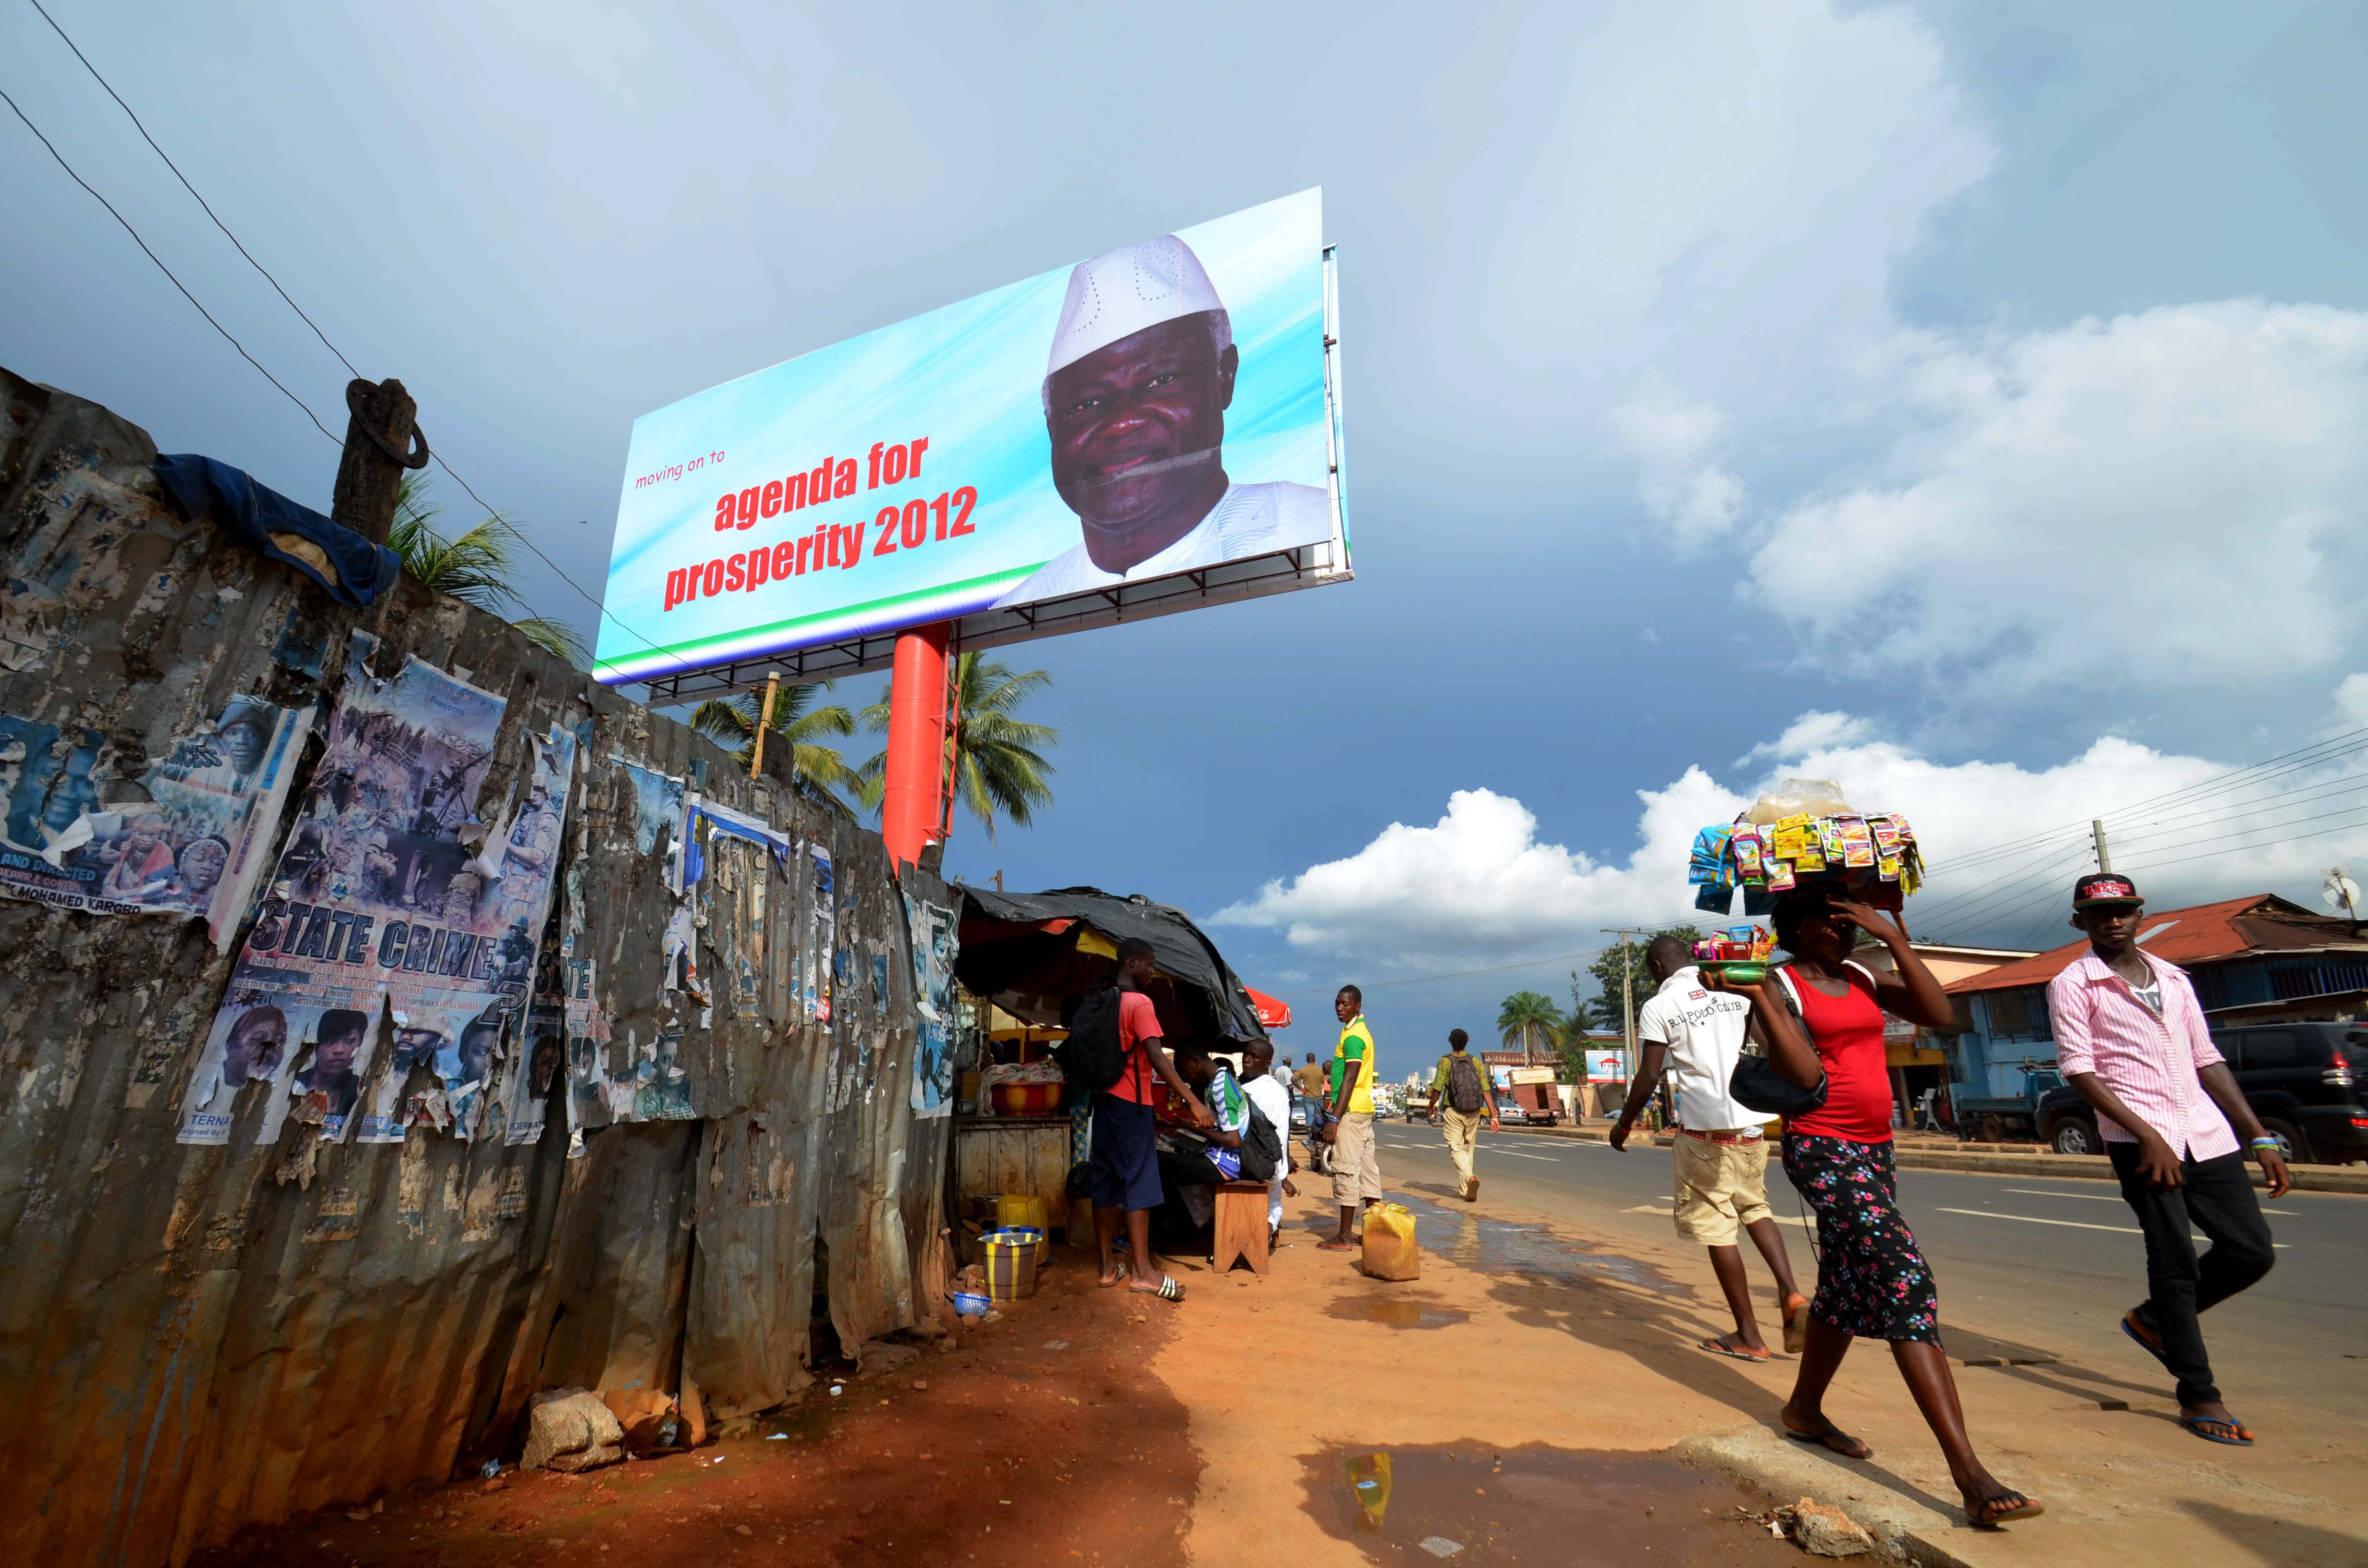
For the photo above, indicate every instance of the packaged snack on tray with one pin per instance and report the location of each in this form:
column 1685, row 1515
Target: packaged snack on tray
column 1745, row 848
column 1887, row 866
column 1887, row 836
column 1780, row 876
column 1857, row 841
column 1707, row 866
column 1787, row 838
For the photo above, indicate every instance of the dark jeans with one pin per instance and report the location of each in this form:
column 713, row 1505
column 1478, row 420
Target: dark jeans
column 2215, row 1196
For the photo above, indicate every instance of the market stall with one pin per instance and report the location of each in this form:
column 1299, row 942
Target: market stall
column 1029, row 957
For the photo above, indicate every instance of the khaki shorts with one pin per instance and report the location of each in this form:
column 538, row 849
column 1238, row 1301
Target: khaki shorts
column 1356, row 1168
column 1721, row 1188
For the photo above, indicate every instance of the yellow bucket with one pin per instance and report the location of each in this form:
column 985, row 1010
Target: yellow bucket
column 1390, row 1250
column 1011, row 1262
column 1015, row 1209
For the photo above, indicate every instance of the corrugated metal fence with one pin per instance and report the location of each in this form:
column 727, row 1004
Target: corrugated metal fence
column 195, row 1338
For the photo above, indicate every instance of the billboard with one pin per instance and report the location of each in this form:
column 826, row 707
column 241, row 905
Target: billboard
column 1148, row 429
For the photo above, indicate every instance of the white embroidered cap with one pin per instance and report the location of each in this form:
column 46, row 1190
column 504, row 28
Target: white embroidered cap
column 1120, row 293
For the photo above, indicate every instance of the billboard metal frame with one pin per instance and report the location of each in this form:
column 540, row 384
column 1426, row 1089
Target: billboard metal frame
column 1307, row 566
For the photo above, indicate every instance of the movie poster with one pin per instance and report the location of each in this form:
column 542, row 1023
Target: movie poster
column 194, row 845
column 390, row 889
column 935, row 944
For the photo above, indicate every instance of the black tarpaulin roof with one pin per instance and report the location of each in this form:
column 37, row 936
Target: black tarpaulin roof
column 1006, row 947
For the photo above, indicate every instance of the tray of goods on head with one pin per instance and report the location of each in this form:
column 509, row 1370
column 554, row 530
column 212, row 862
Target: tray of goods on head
column 1804, row 836
column 1738, row 952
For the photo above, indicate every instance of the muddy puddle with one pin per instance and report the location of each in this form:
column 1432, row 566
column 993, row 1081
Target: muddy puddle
column 1469, row 1504
column 1396, row 1311
column 1476, row 1241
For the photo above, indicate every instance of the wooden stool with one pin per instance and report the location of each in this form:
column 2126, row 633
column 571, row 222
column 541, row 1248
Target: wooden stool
column 1241, row 1230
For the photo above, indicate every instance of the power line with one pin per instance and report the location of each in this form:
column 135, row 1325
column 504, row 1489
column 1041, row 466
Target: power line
column 1455, row 974
column 202, row 202
column 519, row 534
column 167, row 271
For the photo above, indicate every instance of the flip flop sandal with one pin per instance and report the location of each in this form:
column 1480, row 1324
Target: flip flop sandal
column 1732, row 1352
column 2237, row 1436
column 1986, row 1514
column 1167, row 1291
column 1796, row 1327
column 2142, row 1336
column 1828, row 1438
column 1115, row 1278
column 1336, row 1246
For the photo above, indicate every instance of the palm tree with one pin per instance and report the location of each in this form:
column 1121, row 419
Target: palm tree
column 1529, row 1019
column 1000, row 766
column 818, row 772
column 475, row 567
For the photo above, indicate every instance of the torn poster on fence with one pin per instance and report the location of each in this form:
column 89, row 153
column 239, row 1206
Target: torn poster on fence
column 935, row 942
column 194, row 845
column 388, row 890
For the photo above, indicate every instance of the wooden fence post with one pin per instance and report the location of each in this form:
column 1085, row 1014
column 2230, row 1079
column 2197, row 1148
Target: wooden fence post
column 383, row 439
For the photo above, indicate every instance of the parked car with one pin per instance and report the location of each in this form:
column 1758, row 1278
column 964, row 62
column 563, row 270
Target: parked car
column 1992, row 1119
column 2304, row 1081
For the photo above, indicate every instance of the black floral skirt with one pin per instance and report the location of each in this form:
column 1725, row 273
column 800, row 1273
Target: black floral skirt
column 1872, row 1280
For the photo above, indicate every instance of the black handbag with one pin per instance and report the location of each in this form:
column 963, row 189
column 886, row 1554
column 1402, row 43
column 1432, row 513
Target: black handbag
column 1756, row 1084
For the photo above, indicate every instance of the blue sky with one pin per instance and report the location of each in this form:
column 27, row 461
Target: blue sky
column 1967, row 403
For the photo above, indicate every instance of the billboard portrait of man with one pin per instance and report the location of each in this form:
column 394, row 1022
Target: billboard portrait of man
column 1141, row 369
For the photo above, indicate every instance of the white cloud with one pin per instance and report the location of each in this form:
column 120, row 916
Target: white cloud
column 2164, row 502
column 1481, row 885
column 2352, row 701
column 1671, row 440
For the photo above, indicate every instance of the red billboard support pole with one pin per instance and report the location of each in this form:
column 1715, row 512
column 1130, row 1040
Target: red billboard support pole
column 909, row 807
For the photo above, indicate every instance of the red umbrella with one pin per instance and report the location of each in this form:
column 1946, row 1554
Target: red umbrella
column 1272, row 1014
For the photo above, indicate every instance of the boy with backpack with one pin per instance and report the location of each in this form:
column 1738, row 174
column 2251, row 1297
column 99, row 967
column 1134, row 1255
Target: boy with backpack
column 1271, row 1096
column 1114, row 1050
column 1464, row 1083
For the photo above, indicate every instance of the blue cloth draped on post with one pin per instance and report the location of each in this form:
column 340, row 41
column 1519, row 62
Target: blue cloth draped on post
column 351, row 570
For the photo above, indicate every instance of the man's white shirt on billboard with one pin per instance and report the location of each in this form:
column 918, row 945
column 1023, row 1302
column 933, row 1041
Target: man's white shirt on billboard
column 1250, row 519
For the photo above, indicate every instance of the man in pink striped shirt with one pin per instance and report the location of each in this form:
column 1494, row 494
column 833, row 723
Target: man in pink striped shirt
column 2130, row 1036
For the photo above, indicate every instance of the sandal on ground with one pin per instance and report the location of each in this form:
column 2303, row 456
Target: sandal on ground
column 1166, row 1290
column 1830, row 1437
column 1796, row 1326
column 1719, row 1346
column 1335, row 1245
column 2219, row 1429
column 1998, row 1508
column 2142, row 1336
column 1117, row 1274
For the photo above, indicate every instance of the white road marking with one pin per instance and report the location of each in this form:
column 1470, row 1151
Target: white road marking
column 1518, row 1154
column 2090, row 1197
column 2073, row 1225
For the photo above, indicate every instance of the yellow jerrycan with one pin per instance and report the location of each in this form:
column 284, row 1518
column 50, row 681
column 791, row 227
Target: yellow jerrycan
column 1390, row 1250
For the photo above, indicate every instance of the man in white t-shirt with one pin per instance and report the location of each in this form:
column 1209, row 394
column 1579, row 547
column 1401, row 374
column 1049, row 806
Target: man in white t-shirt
column 1722, row 1153
column 1141, row 372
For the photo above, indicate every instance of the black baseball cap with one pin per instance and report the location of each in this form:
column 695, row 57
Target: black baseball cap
column 2101, row 888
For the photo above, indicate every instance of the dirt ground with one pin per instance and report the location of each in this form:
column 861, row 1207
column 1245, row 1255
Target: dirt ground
column 1002, row 1450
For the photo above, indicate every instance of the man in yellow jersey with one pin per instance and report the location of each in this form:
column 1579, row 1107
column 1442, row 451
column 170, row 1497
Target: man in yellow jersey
column 1356, row 1170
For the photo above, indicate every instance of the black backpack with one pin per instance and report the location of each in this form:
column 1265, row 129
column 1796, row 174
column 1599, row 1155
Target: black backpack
column 1091, row 1058
column 1262, row 1147
column 1465, row 1093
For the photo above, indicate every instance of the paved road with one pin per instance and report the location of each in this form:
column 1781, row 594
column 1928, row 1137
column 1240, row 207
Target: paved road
column 2019, row 1260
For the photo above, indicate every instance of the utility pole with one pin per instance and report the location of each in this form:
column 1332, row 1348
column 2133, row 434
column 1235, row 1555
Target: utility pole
column 764, row 723
column 383, row 439
column 1628, row 992
column 2096, row 830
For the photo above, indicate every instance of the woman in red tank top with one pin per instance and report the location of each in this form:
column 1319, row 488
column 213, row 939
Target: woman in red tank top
column 1822, row 1015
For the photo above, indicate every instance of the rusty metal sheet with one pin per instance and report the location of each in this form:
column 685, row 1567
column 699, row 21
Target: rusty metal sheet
column 192, row 1338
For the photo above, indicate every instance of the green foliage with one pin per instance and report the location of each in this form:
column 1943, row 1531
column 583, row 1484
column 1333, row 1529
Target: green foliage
column 1601, row 1011
column 999, row 763
column 818, row 772
column 1530, row 1022
column 475, row 567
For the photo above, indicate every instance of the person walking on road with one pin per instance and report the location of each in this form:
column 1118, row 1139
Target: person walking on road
column 2131, row 1036
column 1463, row 1083
column 1721, row 1152
column 1310, row 1079
column 1821, row 1016
column 1356, row 1167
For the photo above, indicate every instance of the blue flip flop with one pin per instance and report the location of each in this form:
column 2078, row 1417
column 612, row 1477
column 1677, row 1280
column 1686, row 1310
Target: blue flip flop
column 2197, row 1424
column 2130, row 1327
